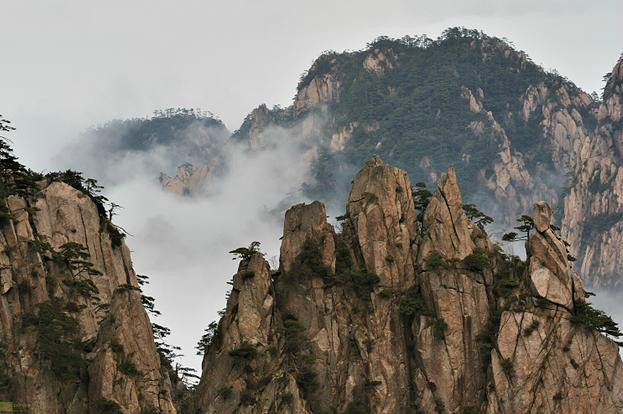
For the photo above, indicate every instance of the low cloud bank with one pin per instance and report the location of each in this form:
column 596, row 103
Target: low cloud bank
column 182, row 243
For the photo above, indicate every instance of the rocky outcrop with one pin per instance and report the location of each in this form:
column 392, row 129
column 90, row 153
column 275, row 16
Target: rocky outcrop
column 447, row 226
column 190, row 179
column 401, row 312
column 379, row 60
column 74, row 335
column 322, row 89
column 545, row 360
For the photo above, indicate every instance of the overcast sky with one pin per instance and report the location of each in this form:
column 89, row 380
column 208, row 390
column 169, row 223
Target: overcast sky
column 70, row 64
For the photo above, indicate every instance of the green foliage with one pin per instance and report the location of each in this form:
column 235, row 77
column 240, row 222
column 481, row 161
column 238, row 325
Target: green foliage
column 321, row 66
column 386, row 293
column 477, row 261
column 420, row 111
column 58, row 339
column 105, row 406
column 76, row 257
column 357, row 407
column 116, row 235
column 439, row 328
column 245, row 253
column 534, row 325
column 295, row 337
column 15, row 179
column 370, row 197
column 440, row 406
column 411, row 305
column 585, row 315
column 209, row 334
column 87, row 186
column 166, row 351
column 83, row 287
column 507, row 367
column 149, row 303
column 476, row 215
column 244, row 353
column 306, row 378
column 421, row 198
column 5, row 375
column 343, row 260
column 115, row 346
column 525, row 226
column 247, row 398
column 361, row 282
column 297, row 347
column 286, row 398
column 225, row 392
column 127, row 367
column 597, row 186
column 248, row 274
column 308, row 262
column 124, row 288
column 488, row 336
column 435, row 261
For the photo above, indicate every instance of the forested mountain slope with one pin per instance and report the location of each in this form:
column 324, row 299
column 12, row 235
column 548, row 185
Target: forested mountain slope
column 514, row 132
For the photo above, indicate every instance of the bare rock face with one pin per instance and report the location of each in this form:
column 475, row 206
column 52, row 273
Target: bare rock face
column 447, row 225
column 302, row 223
column 382, row 213
column 550, row 272
column 592, row 219
column 393, row 314
column 190, row 179
column 74, row 334
column 322, row 89
column 546, row 362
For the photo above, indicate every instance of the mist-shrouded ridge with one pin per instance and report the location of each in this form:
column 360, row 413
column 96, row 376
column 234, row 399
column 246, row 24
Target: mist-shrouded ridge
column 182, row 243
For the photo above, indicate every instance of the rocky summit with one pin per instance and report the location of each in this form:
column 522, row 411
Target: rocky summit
column 74, row 333
column 409, row 308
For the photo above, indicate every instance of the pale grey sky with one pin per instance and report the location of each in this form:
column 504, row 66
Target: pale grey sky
column 70, row 64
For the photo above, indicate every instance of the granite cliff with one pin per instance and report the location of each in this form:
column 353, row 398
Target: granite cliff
column 409, row 308
column 74, row 333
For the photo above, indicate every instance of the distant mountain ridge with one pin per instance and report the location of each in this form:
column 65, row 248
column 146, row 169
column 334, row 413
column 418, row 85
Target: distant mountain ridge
column 515, row 133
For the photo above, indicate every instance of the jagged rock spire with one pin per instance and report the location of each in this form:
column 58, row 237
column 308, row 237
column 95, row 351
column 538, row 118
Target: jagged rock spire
column 382, row 212
column 303, row 222
column 550, row 274
column 447, row 227
column 468, row 332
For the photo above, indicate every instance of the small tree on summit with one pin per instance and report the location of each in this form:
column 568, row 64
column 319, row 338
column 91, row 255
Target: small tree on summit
column 245, row 253
column 526, row 224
